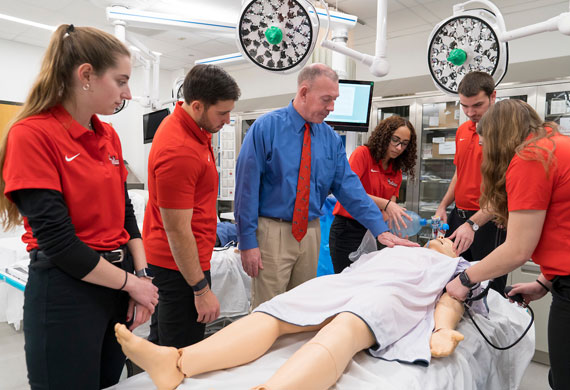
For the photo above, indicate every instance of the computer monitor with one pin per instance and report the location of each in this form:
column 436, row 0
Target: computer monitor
column 352, row 107
column 151, row 121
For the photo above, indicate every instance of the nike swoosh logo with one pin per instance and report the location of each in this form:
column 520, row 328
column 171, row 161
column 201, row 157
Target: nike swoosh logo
column 462, row 139
column 68, row 159
column 373, row 170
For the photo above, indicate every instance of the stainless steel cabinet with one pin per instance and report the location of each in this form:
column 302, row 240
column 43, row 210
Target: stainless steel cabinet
column 553, row 104
column 440, row 118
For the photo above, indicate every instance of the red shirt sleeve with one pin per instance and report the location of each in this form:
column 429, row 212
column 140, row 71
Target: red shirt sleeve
column 176, row 178
column 31, row 161
column 521, row 195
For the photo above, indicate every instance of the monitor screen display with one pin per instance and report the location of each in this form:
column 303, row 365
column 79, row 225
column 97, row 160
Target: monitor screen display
column 352, row 107
column 151, row 121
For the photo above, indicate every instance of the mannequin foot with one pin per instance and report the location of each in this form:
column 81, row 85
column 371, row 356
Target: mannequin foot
column 159, row 362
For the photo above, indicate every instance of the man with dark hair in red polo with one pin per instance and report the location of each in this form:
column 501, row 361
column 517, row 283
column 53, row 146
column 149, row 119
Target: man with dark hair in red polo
column 469, row 227
column 180, row 221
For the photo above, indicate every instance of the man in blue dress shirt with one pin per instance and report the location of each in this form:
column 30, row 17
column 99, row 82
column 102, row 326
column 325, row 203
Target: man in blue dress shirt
column 267, row 175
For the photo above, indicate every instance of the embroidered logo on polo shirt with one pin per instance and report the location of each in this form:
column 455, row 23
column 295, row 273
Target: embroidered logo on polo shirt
column 113, row 160
column 69, row 159
column 374, row 170
column 392, row 183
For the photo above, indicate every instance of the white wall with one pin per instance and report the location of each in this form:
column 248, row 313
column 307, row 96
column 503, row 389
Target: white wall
column 18, row 68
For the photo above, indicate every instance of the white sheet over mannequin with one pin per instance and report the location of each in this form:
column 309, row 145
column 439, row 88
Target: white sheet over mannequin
column 317, row 365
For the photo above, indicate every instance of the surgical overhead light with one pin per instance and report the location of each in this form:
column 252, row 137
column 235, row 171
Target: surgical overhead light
column 466, row 43
column 476, row 40
column 278, row 35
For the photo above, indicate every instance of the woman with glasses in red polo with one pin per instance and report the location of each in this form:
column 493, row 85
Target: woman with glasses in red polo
column 391, row 150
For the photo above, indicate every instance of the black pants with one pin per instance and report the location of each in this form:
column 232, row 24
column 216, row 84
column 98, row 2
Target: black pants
column 344, row 238
column 558, row 335
column 173, row 323
column 69, row 329
column 486, row 239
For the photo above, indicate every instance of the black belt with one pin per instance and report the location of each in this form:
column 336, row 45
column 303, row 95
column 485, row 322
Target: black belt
column 465, row 214
column 114, row 256
column 275, row 219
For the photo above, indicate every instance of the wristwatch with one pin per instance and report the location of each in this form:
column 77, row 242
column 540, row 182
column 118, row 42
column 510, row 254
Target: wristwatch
column 200, row 285
column 145, row 273
column 464, row 279
column 474, row 226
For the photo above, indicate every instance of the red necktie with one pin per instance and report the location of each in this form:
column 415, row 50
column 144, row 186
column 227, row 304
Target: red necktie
column 301, row 211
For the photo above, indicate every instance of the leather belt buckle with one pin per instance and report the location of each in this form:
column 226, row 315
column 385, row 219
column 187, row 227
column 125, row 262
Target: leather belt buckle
column 120, row 252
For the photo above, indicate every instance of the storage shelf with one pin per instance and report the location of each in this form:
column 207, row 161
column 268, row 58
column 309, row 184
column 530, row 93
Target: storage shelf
column 440, row 128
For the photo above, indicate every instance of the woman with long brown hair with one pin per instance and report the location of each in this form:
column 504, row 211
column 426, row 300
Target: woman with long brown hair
column 63, row 172
column 390, row 150
column 526, row 184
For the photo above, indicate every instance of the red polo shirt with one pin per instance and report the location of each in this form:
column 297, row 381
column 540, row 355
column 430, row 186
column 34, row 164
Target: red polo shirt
column 530, row 188
column 468, row 157
column 375, row 180
column 52, row 151
column 181, row 175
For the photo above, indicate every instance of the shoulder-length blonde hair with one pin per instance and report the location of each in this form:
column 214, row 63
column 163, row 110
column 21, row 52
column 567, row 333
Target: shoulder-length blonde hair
column 510, row 127
column 69, row 47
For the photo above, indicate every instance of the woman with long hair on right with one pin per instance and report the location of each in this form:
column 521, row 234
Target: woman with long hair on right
column 63, row 172
column 526, row 184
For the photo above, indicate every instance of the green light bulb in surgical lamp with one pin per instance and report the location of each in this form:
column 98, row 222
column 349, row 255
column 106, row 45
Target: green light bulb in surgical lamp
column 274, row 35
column 457, row 57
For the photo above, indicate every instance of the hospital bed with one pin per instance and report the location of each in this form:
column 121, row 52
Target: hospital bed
column 474, row 364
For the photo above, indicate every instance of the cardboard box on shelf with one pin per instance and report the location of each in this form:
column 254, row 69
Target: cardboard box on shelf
column 449, row 115
column 445, row 149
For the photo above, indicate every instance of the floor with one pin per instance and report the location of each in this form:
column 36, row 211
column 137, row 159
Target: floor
column 13, row 365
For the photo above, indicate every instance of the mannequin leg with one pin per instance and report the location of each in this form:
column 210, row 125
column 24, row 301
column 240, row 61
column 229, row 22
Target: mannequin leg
column 241, row 342
column 322, row 360
column 238, row 343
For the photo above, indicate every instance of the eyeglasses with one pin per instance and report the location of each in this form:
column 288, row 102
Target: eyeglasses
column 396, row 141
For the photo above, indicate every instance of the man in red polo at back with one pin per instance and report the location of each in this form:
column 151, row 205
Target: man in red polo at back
column 474, row 237
column 179, row 229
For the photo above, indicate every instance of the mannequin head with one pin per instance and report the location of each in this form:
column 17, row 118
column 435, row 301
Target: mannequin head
column 442, row 245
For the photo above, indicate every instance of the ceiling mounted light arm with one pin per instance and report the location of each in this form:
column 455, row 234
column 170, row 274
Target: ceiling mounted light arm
column 460, row 8
column 378, row 65
column 559, row 23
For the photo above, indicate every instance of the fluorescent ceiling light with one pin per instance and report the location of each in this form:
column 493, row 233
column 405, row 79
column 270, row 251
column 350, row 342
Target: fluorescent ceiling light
column 27, row 22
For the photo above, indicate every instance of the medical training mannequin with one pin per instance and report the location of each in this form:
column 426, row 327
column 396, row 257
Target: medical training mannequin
column 317, row 365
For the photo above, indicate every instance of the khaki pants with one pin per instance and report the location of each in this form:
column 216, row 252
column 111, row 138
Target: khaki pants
column 286, row 262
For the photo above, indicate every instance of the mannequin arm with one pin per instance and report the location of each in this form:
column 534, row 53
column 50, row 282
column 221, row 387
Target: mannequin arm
column 444, row 339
